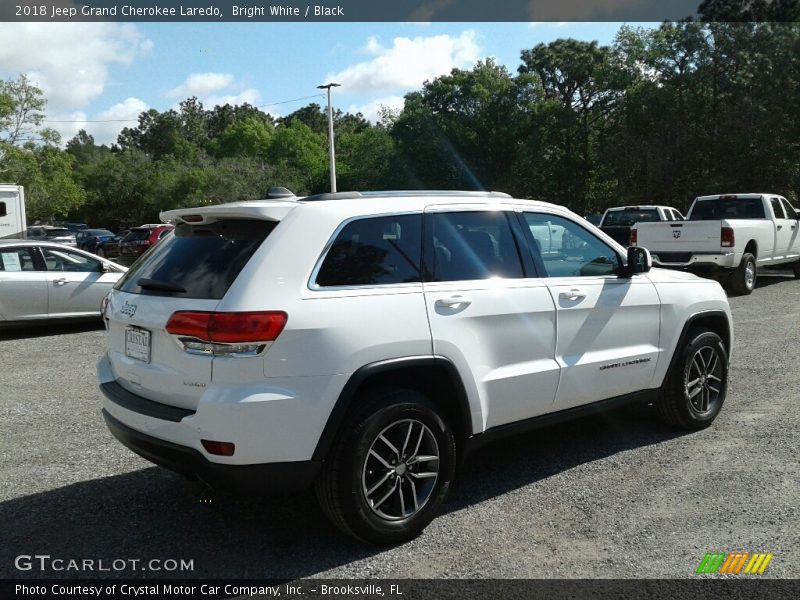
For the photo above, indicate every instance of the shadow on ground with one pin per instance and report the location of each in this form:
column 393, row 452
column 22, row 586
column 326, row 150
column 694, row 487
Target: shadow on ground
column 152, row 513
column 47, row 328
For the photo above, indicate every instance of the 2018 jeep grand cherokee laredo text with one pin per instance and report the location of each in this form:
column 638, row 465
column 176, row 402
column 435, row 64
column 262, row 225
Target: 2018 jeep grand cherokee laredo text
column 365, row 343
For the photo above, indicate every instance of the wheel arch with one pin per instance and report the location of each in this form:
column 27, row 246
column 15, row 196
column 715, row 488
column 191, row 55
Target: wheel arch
column 434, row 376
column 752, row 248
column 713, row 320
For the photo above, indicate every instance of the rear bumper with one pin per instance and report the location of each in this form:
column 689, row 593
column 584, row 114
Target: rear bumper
column 269, row 477
column 699, row 260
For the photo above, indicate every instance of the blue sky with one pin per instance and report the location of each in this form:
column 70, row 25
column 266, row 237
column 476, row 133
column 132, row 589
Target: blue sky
column 100, row 76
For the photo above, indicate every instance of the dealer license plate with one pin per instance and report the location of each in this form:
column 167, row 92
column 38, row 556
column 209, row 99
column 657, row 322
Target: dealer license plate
column 137, row 344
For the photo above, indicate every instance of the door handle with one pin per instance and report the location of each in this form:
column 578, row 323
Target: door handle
column 572, row 295
column 453, row 302
column 794, row 226
column 779, row 227
column 61, row 281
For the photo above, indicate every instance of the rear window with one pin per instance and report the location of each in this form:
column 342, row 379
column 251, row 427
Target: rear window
column 137, row 234
column 729, row 208
column 98, row 232
column 58, row 232
column 626, row 218
column 199, row 261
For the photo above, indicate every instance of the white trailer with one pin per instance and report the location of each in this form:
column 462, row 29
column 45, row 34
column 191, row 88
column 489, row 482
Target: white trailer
column 12, row 211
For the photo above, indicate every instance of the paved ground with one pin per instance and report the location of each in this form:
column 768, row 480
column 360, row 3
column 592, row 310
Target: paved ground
column 612, row 496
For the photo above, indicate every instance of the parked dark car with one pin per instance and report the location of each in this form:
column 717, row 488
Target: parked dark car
column 110, row 248
column 76, row 227
column 88, row 239
column 139, row 240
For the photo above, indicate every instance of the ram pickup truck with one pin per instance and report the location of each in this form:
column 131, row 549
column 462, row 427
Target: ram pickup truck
column 727, row 236
column 618, row 220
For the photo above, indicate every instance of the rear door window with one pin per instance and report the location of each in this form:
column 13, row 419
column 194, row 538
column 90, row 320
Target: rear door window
column 199, row 261
column 374, row 251
column 17, row 259
column 473, row 245
column 791, row 213
column 777, row 209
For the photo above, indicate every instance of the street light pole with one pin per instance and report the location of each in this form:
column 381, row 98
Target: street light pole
column 330, row 133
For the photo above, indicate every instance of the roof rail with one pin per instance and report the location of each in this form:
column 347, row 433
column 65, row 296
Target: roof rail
column 332, row 196
column 401, row 193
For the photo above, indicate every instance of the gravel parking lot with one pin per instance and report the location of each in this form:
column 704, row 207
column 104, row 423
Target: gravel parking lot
column 616, row 495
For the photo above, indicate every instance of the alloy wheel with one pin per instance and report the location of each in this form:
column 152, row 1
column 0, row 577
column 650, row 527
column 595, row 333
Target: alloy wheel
column 400, row 470
column 704, row 380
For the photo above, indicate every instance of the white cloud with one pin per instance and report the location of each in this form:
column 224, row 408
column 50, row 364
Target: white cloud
column 407, row 63
column 370, row 110
column 104, row 126
column 250, row 96
column 214, row 89
column 202, row 85
column 69, row 61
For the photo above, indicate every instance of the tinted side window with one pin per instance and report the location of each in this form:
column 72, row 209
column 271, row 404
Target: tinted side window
column 473, row 245
column 791, row 213
column 3, row 209
column 374, row 251
column 777, row 209
column 567, row 249
column 16, row 259
column 64, row 260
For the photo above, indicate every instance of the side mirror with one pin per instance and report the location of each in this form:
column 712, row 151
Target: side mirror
column 639, row 261
column 105, row 267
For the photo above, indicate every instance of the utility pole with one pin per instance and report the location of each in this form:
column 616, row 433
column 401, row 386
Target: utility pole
column 332, row 153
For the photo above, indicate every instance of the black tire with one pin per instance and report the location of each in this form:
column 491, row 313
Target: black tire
column 743, row 281
column 351, row 471
column 680, row 404
column 796, row 269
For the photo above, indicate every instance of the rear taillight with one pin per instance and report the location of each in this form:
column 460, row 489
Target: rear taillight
column 634, row 237
column 726, row 237
column 227, row 333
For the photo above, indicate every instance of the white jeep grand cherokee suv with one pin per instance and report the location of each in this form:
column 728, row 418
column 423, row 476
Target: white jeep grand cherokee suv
column 365, row 343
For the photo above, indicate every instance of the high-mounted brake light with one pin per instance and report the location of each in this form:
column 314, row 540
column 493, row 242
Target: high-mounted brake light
column 727, row 239
column 728, row 197
column 192, row 218
column 228, row 327
column 634, row 236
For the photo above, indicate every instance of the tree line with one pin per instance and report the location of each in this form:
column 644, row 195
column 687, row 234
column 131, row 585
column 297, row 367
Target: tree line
column 659, row 116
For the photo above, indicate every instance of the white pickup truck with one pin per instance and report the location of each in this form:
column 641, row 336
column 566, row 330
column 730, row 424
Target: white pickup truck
column 729, row 235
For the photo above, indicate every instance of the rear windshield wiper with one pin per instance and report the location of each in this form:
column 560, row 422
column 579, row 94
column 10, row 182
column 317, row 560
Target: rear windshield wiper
column 155, row 284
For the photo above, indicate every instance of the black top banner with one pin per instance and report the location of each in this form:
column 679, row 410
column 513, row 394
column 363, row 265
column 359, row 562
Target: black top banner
column 398, row 10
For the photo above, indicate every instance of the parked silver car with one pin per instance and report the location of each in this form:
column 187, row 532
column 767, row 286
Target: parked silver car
column 43, row 280
column 59, row 235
